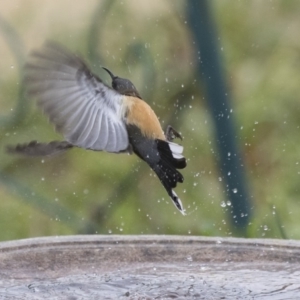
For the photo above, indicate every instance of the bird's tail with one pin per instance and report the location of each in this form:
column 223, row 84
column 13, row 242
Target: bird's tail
column 171, row 159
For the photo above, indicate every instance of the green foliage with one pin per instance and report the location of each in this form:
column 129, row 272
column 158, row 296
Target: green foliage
column 89, row 192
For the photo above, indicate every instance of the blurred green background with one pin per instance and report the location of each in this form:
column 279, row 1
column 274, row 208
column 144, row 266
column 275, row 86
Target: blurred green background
column 151, row 44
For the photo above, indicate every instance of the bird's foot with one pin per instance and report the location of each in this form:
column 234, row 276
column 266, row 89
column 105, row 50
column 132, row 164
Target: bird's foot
column 171, row 134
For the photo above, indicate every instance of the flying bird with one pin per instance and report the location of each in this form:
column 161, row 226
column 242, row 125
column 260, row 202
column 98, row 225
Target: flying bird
column 94, row 116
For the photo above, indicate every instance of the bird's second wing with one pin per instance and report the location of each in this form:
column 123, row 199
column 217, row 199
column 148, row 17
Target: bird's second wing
column 86, row 111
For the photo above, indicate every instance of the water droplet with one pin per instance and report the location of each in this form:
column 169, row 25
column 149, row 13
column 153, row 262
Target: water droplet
column 235, row 191
column 189, row 258
column 223, row 204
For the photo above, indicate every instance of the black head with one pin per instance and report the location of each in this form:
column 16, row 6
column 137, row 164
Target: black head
column 122, row 85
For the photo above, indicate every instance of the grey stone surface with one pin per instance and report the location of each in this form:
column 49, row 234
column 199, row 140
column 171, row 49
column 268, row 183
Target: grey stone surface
column 149, row 267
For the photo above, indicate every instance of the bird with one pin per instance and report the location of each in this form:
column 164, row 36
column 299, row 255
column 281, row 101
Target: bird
column 92, row 115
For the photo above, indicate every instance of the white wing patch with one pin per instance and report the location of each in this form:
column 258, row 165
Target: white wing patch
column 176, row 150
column 78, row 103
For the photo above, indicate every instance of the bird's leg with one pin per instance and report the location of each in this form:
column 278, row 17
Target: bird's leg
column 128, row 150
column 171, row 134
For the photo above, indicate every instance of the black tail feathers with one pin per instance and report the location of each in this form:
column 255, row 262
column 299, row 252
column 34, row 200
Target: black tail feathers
column 171, row 153
column 167, row 174
column 169, row 177
column 170, row 160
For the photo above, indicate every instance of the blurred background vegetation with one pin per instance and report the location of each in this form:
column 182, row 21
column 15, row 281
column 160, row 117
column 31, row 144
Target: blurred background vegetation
column 151, row 43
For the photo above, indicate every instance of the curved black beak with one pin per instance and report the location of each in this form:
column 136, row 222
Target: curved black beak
column 110, row 73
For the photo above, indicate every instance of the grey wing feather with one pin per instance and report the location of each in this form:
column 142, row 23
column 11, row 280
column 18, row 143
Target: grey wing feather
column 85, row 110
column 35, row 148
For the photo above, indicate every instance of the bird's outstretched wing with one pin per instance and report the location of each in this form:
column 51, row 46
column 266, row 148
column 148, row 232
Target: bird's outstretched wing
column 35, row 148
column 86, row 111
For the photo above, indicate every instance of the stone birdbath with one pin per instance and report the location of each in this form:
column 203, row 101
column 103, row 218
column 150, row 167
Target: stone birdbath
column 149, row 267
